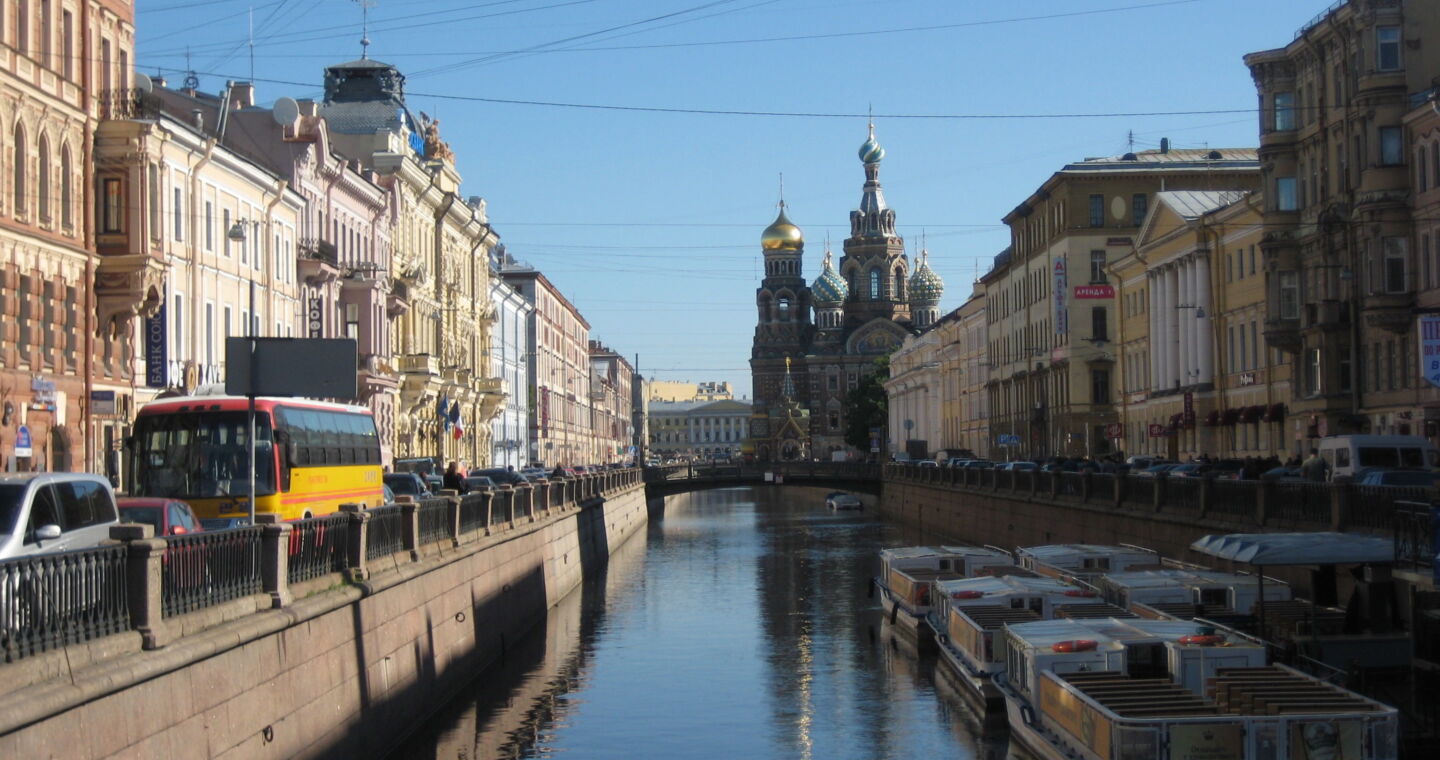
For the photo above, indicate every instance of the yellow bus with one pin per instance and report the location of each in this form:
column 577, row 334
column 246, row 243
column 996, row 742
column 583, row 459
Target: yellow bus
column 310, row 456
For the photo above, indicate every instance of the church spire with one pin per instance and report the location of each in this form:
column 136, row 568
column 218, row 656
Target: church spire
column 873, row 218
column 787, row 391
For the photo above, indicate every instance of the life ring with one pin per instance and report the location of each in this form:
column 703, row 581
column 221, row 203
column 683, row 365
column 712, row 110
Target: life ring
column 1080, row 592
column 969, row 594
column 1204, row 640
column 1074, row 645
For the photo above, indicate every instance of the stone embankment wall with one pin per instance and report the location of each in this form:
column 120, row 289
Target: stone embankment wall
column 341, row 672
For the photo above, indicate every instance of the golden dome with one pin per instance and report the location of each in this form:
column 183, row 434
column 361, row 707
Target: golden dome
column 782, row 235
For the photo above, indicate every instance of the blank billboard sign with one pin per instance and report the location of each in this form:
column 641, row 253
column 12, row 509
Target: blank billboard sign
column 311, row 367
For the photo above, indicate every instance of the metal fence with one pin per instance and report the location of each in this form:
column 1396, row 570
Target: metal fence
column 1373, row 507
column 385, row 534
column 319, row 546
column 1070, row 485
column 205, row 569
column 473, row 509
column 1183, row 493
column 1233, row 498
column 1300, row 501
column 1102, row 487
column 54, row 600
column 435, row 520
column 1414, row 524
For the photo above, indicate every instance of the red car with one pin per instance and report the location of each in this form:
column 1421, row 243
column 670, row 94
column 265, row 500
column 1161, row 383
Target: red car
column 168, row 516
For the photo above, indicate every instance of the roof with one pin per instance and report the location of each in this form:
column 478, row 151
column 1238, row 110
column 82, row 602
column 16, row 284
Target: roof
column 1009, row 584
column 909, row 552
column 1063, row 552
column 362, row 118
column 1178, row 577
column 1298, row 548
column 1174, row 158
column 1108, row 633
column 1193, row 204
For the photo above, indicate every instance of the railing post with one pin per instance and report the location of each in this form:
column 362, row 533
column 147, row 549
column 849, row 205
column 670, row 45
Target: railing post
column 1339, row 505
column 453, row 496
column 143, row 584
column 1157, row 494
column 529, row 500
column 489, row 506
column 1055, row 477
column 410, row 526
column 1207, row 492
column 1085, row 486
column 1264, row 492
column 544, row 490
column 1120, row 483
column 355, row 562
column 275, row 559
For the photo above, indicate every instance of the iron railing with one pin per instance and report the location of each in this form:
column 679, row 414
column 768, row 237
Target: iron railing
column 1414, row 526
column 435, row 520
column 1102, row 487
column 473, row 510
column 1374, row 506
column 1233, row 498
column 1183, row 492
column 1300, row 501
column 385, row 534
column 204, row 569
column 49, row 601
column 319, row 546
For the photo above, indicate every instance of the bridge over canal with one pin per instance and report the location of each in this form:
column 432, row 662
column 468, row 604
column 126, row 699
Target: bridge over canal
column 843, row 476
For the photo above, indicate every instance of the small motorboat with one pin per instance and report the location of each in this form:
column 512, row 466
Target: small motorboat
column 840, row 500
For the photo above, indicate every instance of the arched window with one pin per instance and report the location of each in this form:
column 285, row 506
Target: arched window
column 67, row 195
column 899, row 284
column 42, row 180
column 20, row 156
column 874, row 284
column 783, row 304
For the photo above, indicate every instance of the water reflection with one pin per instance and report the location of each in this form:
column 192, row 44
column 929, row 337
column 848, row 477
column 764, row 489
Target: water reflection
column 739, row 626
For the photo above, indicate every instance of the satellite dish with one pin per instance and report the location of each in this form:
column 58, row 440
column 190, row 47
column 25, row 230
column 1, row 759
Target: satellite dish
column 285, row 111
column 143, row 83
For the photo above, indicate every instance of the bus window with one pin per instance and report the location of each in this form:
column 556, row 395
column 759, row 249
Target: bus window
column 189, row 455
column 1411, row 457
column 1379, row 456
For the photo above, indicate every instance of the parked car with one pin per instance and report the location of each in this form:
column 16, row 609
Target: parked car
column 502, row 476
column 213, row 524
column 389, row 494
column 407, row 484
column 54, row 511
column 169, row 517
column 428, row 468
column 1018, row 465
column 477, row 483
column 979, row 464
column 926, row 463
column 562, row 472
column 1282, row 475
column 1156, row 471
column 1383, row 477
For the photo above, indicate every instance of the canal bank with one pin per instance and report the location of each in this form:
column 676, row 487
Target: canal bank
column 338, row 670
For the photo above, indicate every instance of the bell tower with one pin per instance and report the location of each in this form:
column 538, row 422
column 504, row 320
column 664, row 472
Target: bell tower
column 874, row 265
column 782, row 305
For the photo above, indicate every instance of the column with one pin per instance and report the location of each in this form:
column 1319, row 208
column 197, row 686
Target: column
column 1186, row 318
column 1172, row 299
column 1153, row 320
column 1204, row 349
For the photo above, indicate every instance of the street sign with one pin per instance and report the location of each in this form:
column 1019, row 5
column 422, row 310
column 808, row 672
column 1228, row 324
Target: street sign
column 23, row 446
column 102, row 402
column 1008, row 439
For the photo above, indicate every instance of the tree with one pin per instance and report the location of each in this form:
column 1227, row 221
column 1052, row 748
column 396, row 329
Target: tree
column 866, row 407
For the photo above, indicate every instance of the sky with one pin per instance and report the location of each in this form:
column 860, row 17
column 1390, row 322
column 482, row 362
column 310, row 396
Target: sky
column 633, row 150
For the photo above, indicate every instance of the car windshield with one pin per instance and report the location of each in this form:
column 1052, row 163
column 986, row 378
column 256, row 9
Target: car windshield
column 1416, row 478
column 12, row 498
column 148, row 515
column 404, row 485
column 201, row 455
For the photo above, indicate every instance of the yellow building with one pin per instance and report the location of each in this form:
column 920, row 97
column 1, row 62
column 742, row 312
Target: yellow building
column 1049, row 301
column 1196, row 376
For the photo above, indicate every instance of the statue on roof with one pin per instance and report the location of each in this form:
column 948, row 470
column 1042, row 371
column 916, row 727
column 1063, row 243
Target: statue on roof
column 435, row 148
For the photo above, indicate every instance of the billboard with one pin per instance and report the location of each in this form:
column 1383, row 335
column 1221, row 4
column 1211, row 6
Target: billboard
column 1062, row 321
column 1429, row 332
column 155, row 348
column 310, row 367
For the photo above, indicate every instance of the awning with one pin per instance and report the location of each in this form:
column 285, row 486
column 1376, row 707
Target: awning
column 1274, row 413
column 1298, row 548
column 1251, row 414
column 1212, row 419
column 1230, row 417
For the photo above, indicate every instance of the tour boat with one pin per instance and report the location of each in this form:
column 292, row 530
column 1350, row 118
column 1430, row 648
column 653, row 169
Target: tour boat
column 1189, row 592
column 967, row 614
column 840, row 500
column 1159, row 690
column 907, row 573
column 1085, row 560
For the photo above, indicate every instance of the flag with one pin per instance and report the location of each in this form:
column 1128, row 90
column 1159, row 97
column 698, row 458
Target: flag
column 455, row 419
column 442, row 410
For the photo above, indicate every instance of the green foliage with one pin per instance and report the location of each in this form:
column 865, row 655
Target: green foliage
column 866, row 406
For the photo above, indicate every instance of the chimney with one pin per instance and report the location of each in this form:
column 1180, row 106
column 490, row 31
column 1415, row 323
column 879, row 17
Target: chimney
column 1164, row 145
column 242, row 94
column 197, row 117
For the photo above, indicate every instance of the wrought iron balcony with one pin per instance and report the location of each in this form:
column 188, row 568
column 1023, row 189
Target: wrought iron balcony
column 129, row 103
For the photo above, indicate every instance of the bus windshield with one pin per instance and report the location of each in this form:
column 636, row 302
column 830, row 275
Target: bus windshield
column 201, row 455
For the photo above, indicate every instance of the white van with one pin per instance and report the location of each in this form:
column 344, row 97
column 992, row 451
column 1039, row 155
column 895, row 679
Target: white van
column 54, row 511
column 1348, row 454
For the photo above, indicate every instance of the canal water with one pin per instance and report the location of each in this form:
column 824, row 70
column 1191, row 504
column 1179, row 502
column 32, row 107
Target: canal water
column 740, row 626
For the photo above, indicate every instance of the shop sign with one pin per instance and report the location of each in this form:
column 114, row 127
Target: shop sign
column 1062, row 325
column 1249, row 378
column 1114, row 431
column 102, row 402
column 1158, row 431
column 1094, row 291
column 1429, row 331
column 1189, row 410
column 1328, row 739
column 314, row 317
column 155, row 370
column 23, row 445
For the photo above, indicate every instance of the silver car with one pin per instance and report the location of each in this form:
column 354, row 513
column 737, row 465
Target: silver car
column 54, row 511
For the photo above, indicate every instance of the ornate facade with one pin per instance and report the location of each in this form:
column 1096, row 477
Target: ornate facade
column 821, row 339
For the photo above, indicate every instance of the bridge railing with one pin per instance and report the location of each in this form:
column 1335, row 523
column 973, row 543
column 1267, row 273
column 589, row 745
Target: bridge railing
column 159, row 586
column 1245, row 503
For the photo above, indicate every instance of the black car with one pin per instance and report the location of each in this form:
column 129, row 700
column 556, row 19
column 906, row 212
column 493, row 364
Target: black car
column 407, row 484
column 502, row 476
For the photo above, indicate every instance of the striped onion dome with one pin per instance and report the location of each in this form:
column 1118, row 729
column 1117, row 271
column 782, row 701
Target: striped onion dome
column 829, row 287
column 871, row 152
column 926, row 287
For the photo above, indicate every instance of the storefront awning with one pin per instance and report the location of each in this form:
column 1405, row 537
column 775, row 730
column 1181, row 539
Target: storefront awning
column 1270, row 549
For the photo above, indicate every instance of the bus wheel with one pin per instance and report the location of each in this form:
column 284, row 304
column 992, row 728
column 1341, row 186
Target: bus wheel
column 308, row 515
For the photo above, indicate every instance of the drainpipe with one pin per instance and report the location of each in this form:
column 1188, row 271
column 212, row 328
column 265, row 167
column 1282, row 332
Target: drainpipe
column 280, row 186
column 92, row 303
column 191, row 233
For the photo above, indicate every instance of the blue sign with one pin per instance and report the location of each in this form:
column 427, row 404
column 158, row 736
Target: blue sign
column 23, row 446
column 1008, row 439
column 155, row 350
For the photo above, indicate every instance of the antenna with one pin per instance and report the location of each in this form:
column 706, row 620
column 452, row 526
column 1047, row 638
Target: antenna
column 365, row 6
column 1129, row 141
column 252, row 43
column 782, row 191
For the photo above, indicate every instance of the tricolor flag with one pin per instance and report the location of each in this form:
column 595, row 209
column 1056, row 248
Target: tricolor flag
column 455, row 419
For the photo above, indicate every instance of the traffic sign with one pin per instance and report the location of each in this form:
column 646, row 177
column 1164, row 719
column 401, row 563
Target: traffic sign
column 23, row 445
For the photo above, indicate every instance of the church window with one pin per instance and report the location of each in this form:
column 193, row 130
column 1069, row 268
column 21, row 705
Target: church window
column 834, row 420
column 834, row 382
column 899, row 284
column 874, row 284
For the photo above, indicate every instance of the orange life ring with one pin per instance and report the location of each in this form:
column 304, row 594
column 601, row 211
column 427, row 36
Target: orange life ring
column 1204, row 640
column 1074, row 645
column 968, row 594
column 1080, row 592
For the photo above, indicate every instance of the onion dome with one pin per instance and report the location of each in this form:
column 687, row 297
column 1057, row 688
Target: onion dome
column 829, row 287
column 871, row 152
column 926, row 287
column 782, row 235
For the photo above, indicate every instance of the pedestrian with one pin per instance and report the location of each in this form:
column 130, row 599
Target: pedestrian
column 1314, row 468
column 452, row 479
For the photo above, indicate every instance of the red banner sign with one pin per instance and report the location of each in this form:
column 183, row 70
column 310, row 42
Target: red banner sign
column 1159, row 431
column 1114, row 431
column 1094, row 291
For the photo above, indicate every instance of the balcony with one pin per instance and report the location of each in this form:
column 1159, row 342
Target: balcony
column 128, row 286
column 1283, row 334
column 419, row 364
column 318, row 263
column 1389, row 311
column 128, row 104
column 398, row 302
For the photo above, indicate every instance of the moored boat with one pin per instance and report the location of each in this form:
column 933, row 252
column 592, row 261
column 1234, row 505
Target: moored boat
column 1085, row 560
column 1182, row 593
column 1157, row 690
column 840, row 500
column 908, row 573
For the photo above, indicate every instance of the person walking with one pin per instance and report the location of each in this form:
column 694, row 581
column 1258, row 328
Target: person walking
column 453, row 480
column 1314, row 468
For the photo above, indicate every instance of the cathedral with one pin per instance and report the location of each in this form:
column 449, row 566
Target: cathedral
column 814, row 342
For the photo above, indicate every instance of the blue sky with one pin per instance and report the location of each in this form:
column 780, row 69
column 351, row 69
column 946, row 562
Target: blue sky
column 649, row 220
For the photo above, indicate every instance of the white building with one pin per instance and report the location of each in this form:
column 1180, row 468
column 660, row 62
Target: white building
column 509, row 360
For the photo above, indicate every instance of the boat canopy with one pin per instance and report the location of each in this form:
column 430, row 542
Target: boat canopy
column 913, row 552
column 1298, row 548
column 990, row 585
column 1178, row 578
column 1108, row 633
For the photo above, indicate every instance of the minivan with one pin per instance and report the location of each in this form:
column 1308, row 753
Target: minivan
column 54, row 511
column 1348, row 454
